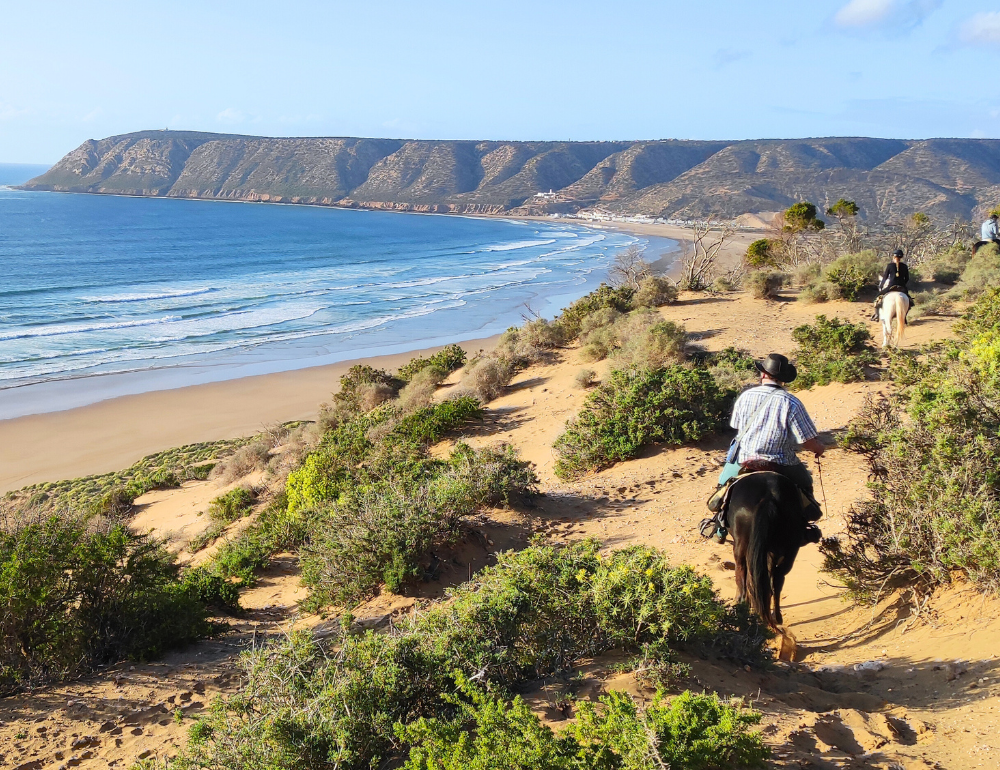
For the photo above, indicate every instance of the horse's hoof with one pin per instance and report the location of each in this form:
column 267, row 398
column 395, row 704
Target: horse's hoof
column 786, row 645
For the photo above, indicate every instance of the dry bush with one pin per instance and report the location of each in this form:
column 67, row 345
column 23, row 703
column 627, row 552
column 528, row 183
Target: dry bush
column 585, row 378
column 244, row 461
column 655, row 291
column 540, row 333
column 764, row 284
column 419, row 391
column 932, row 303
column 823, row 291
column 485, row 378
column 599, row 319
column 651, row 343
column 373, row 394
column 807, row 273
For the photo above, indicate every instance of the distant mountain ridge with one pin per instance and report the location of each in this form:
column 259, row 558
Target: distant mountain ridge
column 670, row 178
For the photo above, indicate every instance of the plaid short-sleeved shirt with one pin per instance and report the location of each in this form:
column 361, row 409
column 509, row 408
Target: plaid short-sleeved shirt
column 780, row 426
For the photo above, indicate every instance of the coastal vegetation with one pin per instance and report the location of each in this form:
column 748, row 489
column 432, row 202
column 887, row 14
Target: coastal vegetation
column 831, row 350
column 361, row 699
column 933, row 512
column 79, row 593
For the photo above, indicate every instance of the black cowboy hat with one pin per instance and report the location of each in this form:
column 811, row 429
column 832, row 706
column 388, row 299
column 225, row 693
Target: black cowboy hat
column 778, row 367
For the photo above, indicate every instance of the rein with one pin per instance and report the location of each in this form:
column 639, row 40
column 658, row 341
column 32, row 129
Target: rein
column 819, row 472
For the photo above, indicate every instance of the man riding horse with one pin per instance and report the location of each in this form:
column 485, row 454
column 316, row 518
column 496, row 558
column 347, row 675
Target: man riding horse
column 770, row 422
column 895, row 278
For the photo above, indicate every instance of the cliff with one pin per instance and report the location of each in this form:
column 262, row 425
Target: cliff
column 671, row 178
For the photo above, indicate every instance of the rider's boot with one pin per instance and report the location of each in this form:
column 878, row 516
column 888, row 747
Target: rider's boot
column 875, row 312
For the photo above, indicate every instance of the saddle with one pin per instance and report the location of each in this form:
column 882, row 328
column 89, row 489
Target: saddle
column 717, row 526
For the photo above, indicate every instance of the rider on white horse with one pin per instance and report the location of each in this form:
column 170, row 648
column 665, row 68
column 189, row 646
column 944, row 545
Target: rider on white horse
column 895, row 278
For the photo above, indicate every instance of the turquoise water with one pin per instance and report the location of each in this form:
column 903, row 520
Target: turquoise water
column 112, row 295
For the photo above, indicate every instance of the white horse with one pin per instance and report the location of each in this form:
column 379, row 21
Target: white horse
column 893, row 309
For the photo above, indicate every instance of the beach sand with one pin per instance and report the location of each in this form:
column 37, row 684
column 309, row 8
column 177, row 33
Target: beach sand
column 113, row 434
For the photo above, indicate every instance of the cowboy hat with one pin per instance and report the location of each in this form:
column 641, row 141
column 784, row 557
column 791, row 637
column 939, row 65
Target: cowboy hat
column 777, row 367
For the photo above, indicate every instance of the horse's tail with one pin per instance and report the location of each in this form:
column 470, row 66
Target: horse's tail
column 758, row 574
column 901, row 307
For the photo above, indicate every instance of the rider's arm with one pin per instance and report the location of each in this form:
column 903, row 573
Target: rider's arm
column 803, row 429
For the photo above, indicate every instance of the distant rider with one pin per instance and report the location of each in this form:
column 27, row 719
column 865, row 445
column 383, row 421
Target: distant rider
column 772, row 422
column 990, row 230
column 895, row 278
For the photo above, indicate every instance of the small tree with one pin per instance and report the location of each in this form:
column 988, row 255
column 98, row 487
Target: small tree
column 699, row 262
column 802, row 216
column 843, row 209
column 846, row 213
column 629, row 268
column 763, row 253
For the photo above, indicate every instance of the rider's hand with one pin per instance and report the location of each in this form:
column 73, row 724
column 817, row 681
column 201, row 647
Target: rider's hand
column 815, row 446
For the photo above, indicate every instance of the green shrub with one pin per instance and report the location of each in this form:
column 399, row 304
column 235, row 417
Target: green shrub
column 981, row 273
column 802, row 216
column 485, row 378
column 696, row 732
column 674, row 405
column 74, row 597
column 604, row 296
column 948, row 266
column 330, row 469
column 763, row 254
column 309, row 703
column 363, row 388
column 447, row 360
column 934, row 508
column 689, row 732
column 233, row 505
column 853, row 272
column 820, row 291
column 274, row 530
column 212, row 590
column 831, row 350
column 383, row 532
column 764, row 284
column 655, row 291
column 731, row 368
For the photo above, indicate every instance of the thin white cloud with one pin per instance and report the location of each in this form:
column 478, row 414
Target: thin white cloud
column 884, row 14
column 231, row 115
column 725, row 56
column 983, row 29
column 9, row 111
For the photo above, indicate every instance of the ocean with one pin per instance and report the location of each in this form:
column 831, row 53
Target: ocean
column 103, row 296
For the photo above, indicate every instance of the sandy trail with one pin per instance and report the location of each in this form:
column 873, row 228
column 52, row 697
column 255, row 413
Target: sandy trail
column 925, row 693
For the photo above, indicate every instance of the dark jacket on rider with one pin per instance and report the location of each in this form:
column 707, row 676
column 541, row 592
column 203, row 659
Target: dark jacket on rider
column 894, row 277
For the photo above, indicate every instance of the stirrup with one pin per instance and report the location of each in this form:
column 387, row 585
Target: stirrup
column 708, row 527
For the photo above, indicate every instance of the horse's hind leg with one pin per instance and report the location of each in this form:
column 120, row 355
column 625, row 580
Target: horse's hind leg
column 740, row 558
column 779, row 571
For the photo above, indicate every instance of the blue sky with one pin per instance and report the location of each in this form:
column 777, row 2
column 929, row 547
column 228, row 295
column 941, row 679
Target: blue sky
column 513, row 70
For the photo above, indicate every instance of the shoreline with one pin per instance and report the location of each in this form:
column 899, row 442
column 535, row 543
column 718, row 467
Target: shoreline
column 112, row 434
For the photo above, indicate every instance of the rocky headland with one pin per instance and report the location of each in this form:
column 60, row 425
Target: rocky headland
column 674, row 179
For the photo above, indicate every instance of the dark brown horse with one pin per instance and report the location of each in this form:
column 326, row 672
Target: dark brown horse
column 767, row 525
column 979, row 244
